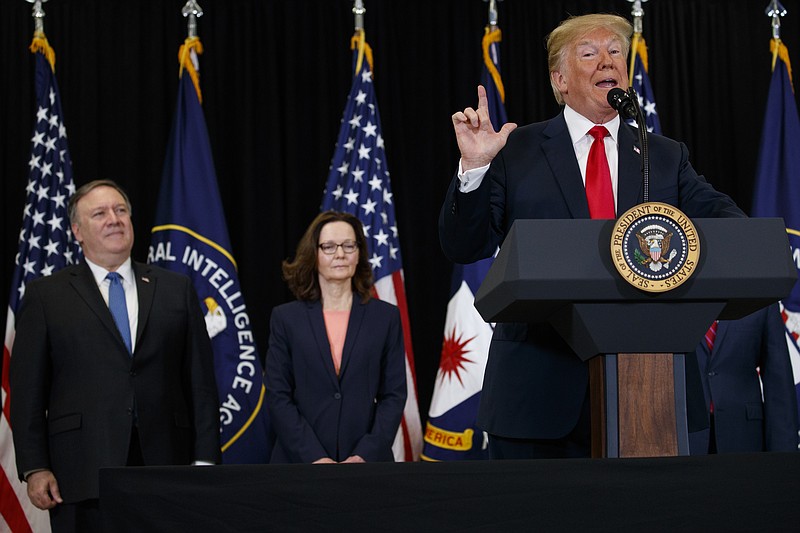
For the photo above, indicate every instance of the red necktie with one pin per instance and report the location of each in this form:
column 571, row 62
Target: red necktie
column 711, row 335
column 598, row 177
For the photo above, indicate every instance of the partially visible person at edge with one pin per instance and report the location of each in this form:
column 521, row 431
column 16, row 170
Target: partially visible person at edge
column 335, row 367
column 534, row 402
column 82, row 399
column 748, row 387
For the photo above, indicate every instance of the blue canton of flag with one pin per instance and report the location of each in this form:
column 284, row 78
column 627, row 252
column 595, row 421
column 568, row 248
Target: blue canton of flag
column 451, row 432
column 777, row 189
column 358, row 183
column 46, row 244
column 641, row 84
column 190, row 236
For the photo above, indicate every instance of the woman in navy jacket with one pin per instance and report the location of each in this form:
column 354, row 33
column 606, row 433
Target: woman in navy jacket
column 335, row 367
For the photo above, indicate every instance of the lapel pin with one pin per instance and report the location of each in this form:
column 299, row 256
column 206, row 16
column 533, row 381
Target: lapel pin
column 636, row 149
column 146, row 280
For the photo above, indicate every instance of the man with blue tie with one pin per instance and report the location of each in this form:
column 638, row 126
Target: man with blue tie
column 111, row 366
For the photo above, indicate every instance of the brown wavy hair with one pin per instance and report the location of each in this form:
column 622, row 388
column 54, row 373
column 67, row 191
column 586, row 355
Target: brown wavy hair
column 301, row 274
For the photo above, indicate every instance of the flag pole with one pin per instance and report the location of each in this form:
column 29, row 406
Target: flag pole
column 492, row 12
column 637, row 12
column 192, row 10
column 38, row 15
column 775, row 11
column 358, row 11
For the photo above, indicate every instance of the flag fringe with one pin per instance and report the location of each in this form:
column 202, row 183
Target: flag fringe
column 184, row 58
column 490, row 37
column 638, row 46
column 779, row 49
column 40, row 44
column 364, row 49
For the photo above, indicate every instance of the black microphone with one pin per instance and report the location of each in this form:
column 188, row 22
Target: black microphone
column 621, row 101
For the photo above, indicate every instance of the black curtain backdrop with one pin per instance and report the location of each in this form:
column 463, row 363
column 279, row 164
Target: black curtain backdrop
column 275, row 76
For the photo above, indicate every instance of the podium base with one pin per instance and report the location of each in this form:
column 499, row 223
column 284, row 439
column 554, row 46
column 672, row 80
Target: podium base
column 638, row 405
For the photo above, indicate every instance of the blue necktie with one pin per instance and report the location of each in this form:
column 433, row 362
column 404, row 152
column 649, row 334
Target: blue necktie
column 119, row 308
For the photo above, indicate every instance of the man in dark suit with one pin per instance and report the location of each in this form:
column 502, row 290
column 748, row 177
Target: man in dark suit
column 743, row 417
column 534, row 401
column 93, row 388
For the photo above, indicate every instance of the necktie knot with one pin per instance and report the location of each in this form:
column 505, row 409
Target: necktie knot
column 598, row 132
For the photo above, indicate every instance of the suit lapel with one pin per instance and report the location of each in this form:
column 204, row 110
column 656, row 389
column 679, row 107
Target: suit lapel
column 560, row 156
column 357, row 316
column 317, row 322
column 629, row 171
column 146, row 282
column 85, row 285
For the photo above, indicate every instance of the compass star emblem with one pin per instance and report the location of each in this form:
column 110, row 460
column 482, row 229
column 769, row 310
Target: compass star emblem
column 453, row 355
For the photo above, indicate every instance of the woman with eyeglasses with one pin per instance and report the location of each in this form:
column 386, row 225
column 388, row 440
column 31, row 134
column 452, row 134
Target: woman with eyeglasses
column 335, row 366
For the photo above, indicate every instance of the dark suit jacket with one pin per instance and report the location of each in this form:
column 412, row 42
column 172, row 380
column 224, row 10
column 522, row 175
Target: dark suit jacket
column 742, row 422
column 316, row 413
column 534, row 386
column 74, row 384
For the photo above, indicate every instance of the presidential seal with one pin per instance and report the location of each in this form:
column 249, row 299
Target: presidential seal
column 655, row 247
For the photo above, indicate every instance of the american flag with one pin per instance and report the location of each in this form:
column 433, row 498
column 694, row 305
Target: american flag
column 641, row 84
column 46, row 244
column 358, row 183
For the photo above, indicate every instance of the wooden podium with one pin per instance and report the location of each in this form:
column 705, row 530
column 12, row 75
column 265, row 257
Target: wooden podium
column 560, row 272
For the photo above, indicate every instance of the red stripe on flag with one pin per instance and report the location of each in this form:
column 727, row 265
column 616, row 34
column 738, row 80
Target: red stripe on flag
column 10, row 507
column 400, row 294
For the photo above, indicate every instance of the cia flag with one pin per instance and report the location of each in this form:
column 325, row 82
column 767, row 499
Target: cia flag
column 190, row 236
column 451, row 432
column 46, row 244
column 777, row 187
column 358, row 183
column 640, row 82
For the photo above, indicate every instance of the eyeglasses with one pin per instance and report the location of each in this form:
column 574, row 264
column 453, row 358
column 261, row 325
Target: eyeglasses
column 329, row 248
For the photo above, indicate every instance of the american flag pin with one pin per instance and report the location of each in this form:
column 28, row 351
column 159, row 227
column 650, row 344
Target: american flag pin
column 146, row 280
column 636, row 149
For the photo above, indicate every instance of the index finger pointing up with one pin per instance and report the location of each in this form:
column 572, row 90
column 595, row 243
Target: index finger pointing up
column 483, row 102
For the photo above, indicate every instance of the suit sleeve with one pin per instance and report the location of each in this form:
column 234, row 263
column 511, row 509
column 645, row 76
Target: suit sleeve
column 202, row 382
column 780, row 402
column 30, row 375
column 471, row 224
column 292, row 429
column 392, row 393
column 698, row 199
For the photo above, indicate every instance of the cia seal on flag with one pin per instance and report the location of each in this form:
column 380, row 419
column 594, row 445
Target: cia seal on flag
column 655, row 247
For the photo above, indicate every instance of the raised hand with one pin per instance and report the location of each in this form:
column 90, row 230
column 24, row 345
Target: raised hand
column 477, row 140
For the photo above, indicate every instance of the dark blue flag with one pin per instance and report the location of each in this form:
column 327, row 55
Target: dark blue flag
column 641, row 84
column 46, row 244
column 451, row 432
column 190, row 236
column 358, row 183
column 777, row 189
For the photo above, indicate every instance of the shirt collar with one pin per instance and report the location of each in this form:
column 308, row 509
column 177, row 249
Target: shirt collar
column 125, row 270
column 578, row 125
